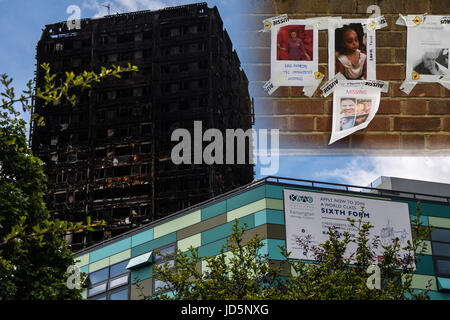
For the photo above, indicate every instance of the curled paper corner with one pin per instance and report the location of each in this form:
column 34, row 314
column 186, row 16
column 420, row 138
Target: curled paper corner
column 269, row 87
column 407, row 86
column 309, row 90
column 323, row 23
column 274, row 21
column 445, row 82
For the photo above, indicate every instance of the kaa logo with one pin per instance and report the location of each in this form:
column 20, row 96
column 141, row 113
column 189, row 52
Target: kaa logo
column 300, row 198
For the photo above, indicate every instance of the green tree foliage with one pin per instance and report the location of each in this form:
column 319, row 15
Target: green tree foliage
column 34, row 256
column 338, row 272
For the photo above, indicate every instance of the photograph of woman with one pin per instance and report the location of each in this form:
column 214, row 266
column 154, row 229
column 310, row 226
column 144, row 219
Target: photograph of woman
column 294, row 43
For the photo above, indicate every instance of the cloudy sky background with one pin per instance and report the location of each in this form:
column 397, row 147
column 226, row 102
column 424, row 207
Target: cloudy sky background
column 22, row 22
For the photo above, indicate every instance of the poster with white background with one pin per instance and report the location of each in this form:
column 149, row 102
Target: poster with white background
column 294, row 54
column 312, row 213
column 355, row 104
column 428, row 45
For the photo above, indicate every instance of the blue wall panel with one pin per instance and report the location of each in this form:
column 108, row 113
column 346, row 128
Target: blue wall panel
column 214, row 210
column 109, row 250
column 425, row 265
column 246, row 198
column 223, row 231
column 142, row 237
column 212, row 249
column 271, row 248
column 430, row 209
column 156, row 243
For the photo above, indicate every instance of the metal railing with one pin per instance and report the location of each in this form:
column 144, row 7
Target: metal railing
column 331, row 186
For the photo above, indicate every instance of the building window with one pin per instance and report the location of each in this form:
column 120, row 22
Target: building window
column 110, row 283
column 160, row 257
column 440, row 243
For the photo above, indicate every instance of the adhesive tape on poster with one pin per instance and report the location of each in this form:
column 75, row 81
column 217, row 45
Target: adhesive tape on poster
column 269, row 88
column 407, row 86
column 375, row 24
column 331, row 84
column 309, row 90
column 274, row 21
column 410, row 20
column 445, row 81
column 323, row 23
column 382, row 85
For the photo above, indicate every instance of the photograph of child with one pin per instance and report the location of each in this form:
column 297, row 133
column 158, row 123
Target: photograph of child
column 295, row 43
column 347, row 123
column 351, row 52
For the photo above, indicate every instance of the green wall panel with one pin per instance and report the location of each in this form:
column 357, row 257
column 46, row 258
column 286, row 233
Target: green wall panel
column 420, row 281
column 98, row 265
column 214, row 210
column 425, row 265
column 84, row 260
column 246, row 210
column 121, row 256
column 176, row 224
column 151, row 245
column 212, row 249
column 426, row 245
column 141, row 274
column 435, row 295
column 275, row 204
column 194, row 241
column 430, row 209
column 439, row 222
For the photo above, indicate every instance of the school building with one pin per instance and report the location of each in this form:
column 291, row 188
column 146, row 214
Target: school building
column 119, row 266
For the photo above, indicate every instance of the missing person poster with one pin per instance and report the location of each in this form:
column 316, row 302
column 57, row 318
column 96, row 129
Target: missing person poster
column 428, row 44
column 351, row 50
column 354, row 106
column 294, row 54
column 312, row 213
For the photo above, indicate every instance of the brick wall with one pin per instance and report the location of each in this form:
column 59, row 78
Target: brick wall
column 408, row 124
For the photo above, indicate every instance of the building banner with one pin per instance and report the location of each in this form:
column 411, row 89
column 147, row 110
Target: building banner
column 427, row 52
column 312, row 213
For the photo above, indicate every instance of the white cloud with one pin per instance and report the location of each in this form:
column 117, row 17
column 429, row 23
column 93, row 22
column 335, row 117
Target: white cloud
column 363, row 171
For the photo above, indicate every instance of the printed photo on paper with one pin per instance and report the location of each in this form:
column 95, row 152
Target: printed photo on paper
column 294, row 43
column 352, row 51
column 354, row 112
column 294, row 54
column 354, row 107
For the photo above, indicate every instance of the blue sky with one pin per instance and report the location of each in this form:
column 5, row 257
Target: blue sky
column 22, row 22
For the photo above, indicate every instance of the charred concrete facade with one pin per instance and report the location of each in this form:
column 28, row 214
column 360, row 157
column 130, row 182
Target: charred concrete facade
column 109, row 157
